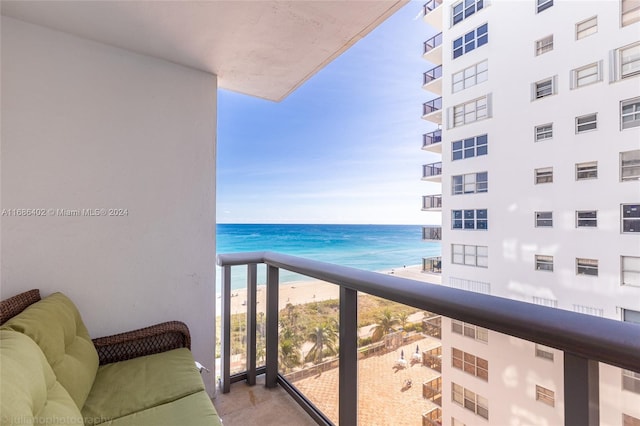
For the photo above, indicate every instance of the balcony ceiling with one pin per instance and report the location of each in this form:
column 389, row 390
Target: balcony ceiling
column 261, row 48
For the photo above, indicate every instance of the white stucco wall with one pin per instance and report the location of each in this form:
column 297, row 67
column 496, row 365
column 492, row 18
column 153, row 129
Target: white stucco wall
column 90, row 126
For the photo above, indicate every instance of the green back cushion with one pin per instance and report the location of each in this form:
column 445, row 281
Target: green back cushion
column 54, row 323
column 30, row 393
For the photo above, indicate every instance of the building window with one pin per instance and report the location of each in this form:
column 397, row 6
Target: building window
column 626, row 61
column 471, row 40
column 587, row 122
column 628, row 420
column 470, row 400
column 471, row 76
column 630, row 11
column 544, row 175
column 469, row 219
column 543, row 132
column 470, row 255
column 544, row 352
column 470, row 183
column 545, row 395
column 630, row 113
column 587, row 267
column 630, row 218
column 543, row 88
column 463, row 9
column 470, row 330
column 544, row 219
column 630, row 270
column 469, row 363
column 629, row 315
column 586, row 171
column 475, row 110
column 544, row 263
column 586, row 75
column 587, row 27
column 630, row 165
column 631, row 381
column 543, row 5
column 544, row 45
column 470, row 147
column 587, row 219
column 456, row 422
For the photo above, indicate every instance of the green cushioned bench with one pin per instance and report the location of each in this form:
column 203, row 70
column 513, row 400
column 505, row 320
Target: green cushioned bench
column 52, row 372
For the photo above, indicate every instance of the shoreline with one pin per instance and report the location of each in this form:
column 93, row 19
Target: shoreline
column 309, row 291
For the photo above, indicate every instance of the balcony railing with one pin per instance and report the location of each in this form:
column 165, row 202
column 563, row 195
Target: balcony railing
column 432, row 326
column 432, row 265
column 432, row 233
column 431, row 170
column 433, row 42
column 431, row 5
column 432, row 391
column 432, row 138
column 433, row 359
column 432, row 106
column 432, row 74
column 585, row 340
column 432, row 418
column 431, row 202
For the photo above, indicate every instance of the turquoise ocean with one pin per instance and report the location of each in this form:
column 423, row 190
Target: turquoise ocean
column 368, row 247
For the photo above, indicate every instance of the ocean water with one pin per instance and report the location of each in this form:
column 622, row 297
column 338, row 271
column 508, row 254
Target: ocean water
column 369, row 247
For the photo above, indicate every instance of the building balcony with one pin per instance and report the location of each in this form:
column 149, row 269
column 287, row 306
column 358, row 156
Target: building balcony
column 432, row 141
column 358, row 379
column 432, row 390
column 432, row 202
column 432, row 233
column 433, row 49
column 432, row 326
column 432, row 80
column 433, row 13
column 432, row 110
column 432, row 417
column 432, row 172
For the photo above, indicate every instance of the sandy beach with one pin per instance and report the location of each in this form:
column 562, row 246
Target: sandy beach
column 299, row 292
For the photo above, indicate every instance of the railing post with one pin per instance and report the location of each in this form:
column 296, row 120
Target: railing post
column 271, row 379
column 225, row 328
column 348, row 367
column 581, row 391
column 252, row 279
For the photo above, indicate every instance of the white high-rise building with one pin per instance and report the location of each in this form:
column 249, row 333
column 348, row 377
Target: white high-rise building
column 536, row 112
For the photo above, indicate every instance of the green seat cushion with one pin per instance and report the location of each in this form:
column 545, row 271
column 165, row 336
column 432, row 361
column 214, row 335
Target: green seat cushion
column 29, row 391
column 54, row 323
column 126, row 387
column 193, row 410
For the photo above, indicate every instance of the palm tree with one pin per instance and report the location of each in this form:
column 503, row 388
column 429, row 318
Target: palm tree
column 403, row 318
column 385, row 323
column 324, row 338
column 289, row 355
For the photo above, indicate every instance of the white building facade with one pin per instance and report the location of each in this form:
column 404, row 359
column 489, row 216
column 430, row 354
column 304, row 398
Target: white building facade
column 539, row 113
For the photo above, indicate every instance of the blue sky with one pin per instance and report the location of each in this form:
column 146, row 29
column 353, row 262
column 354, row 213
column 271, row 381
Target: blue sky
column 343, row 148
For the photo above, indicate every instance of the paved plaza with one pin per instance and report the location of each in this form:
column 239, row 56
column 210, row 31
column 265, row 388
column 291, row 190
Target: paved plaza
column 384, row 399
